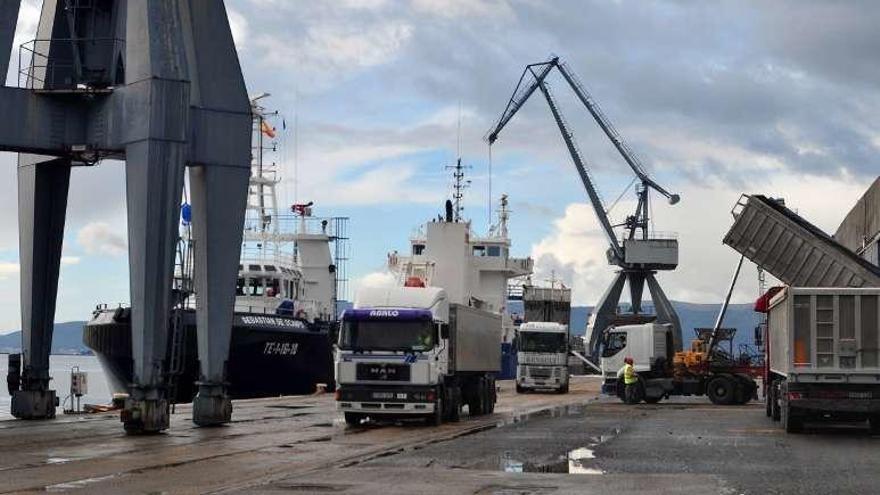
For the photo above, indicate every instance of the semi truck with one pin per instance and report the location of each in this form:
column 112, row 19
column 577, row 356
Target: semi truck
column 542, row 354
column 706, row 369
column 822, row 356
column 407, row 352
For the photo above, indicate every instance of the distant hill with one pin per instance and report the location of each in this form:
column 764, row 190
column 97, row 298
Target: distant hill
column 66, row 339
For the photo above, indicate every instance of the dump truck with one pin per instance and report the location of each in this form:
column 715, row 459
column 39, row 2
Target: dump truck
column 406, row 352
column 822, row 356
column 542, row 356
column 708, row 368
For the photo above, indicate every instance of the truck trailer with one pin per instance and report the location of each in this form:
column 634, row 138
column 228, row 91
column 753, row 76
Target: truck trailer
column 407, row 352
column 822, row 356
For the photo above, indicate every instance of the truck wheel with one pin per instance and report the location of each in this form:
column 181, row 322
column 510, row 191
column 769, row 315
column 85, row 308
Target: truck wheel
column 621, row 390
column 741, row 391
column 492, row 398
column 790, row 422
column 436, row 418
column 775, row 411
column 721, row 390
column 652, row 400
column 478, row 396
column 454, row 404
column 519, row 389
column 874, row 423
column 353, row 419
column 563, row 389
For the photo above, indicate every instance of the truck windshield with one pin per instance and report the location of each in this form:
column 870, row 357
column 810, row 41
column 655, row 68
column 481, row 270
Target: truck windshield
column 542, row 342
column 614, row 343
column 387, row 335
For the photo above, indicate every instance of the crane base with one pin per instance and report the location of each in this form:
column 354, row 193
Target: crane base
column 145, row 416
column 34, row 404
column 212, row 406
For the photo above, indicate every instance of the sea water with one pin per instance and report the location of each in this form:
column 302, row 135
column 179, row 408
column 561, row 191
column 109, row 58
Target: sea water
column 59, row 368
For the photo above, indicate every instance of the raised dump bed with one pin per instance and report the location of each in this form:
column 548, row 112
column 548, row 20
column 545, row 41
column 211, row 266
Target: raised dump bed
column 792, row 249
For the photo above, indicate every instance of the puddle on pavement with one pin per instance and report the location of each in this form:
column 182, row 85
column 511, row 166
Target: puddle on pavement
column 576, row 461
column 550, row 413
column 581, row 460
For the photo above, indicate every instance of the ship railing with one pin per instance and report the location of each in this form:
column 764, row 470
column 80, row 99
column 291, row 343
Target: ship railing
column 266, row 256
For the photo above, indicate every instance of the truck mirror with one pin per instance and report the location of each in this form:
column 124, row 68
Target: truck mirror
column 444, row 331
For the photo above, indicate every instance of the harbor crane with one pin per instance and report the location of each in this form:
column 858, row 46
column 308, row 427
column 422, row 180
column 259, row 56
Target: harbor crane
column 639, row 253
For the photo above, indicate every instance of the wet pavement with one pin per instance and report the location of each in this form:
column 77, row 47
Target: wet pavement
column 704, row 448
column 533, row 444
column 268, row 440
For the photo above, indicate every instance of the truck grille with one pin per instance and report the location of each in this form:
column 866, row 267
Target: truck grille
column 540, row 372
column 385, row 372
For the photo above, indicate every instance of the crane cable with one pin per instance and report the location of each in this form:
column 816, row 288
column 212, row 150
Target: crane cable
column 625, row 189
column 490, row 186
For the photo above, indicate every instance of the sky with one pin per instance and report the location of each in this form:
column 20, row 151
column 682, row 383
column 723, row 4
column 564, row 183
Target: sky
column 717, row 98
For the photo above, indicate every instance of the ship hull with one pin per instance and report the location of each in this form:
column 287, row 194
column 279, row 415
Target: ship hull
column 269, row 355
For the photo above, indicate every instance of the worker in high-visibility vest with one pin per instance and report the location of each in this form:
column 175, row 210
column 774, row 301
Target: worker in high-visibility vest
column 630, row 381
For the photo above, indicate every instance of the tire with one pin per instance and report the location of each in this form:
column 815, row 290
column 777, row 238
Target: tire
column 353, row 419
column 721, row 390
column 493, row 397
column 563, row 389
column 520, row 390
column 742, row 391
column 653, row 400
column 436, row 418
column 775, row 411
column 454, row 413
column 874, row 424
column 476, row 406
column 791, row 423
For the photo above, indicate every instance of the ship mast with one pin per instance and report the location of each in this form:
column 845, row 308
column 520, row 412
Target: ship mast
column 459, row 184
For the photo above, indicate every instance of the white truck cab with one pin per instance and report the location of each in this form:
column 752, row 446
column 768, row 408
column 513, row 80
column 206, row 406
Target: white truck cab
column 408, row 351
column 646, row 344
column 542, row 355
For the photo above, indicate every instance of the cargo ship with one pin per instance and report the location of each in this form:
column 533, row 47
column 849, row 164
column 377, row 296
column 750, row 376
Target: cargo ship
column 474, row 269
column 291, row 273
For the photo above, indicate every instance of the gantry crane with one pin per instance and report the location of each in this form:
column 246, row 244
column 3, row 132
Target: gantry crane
column 638, row 256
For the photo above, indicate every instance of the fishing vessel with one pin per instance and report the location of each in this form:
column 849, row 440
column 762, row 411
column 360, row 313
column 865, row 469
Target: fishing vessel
column 474, row 269
column 291, row 273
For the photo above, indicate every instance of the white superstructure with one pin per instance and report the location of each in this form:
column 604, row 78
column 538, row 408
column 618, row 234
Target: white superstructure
column 286, row 265
column 473, row 269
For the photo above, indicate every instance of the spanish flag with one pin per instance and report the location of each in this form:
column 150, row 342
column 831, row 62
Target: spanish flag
column 267, row 130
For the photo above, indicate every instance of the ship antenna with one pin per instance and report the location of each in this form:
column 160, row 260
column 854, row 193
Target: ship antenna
column 459, row 184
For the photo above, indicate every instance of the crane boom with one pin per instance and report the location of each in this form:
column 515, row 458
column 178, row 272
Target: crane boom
column 582, row 171
column 521, row 94
column 608, row 128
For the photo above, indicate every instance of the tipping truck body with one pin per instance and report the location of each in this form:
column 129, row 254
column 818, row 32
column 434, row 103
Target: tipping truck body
column 822, row 356
column 542, row 356
column 408, row 352
column 663, row 373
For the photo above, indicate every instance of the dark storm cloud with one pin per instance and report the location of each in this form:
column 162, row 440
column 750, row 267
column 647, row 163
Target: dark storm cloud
column 787, row 81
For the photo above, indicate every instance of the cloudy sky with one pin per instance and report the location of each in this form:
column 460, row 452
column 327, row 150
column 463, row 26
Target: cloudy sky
column 718, row 99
